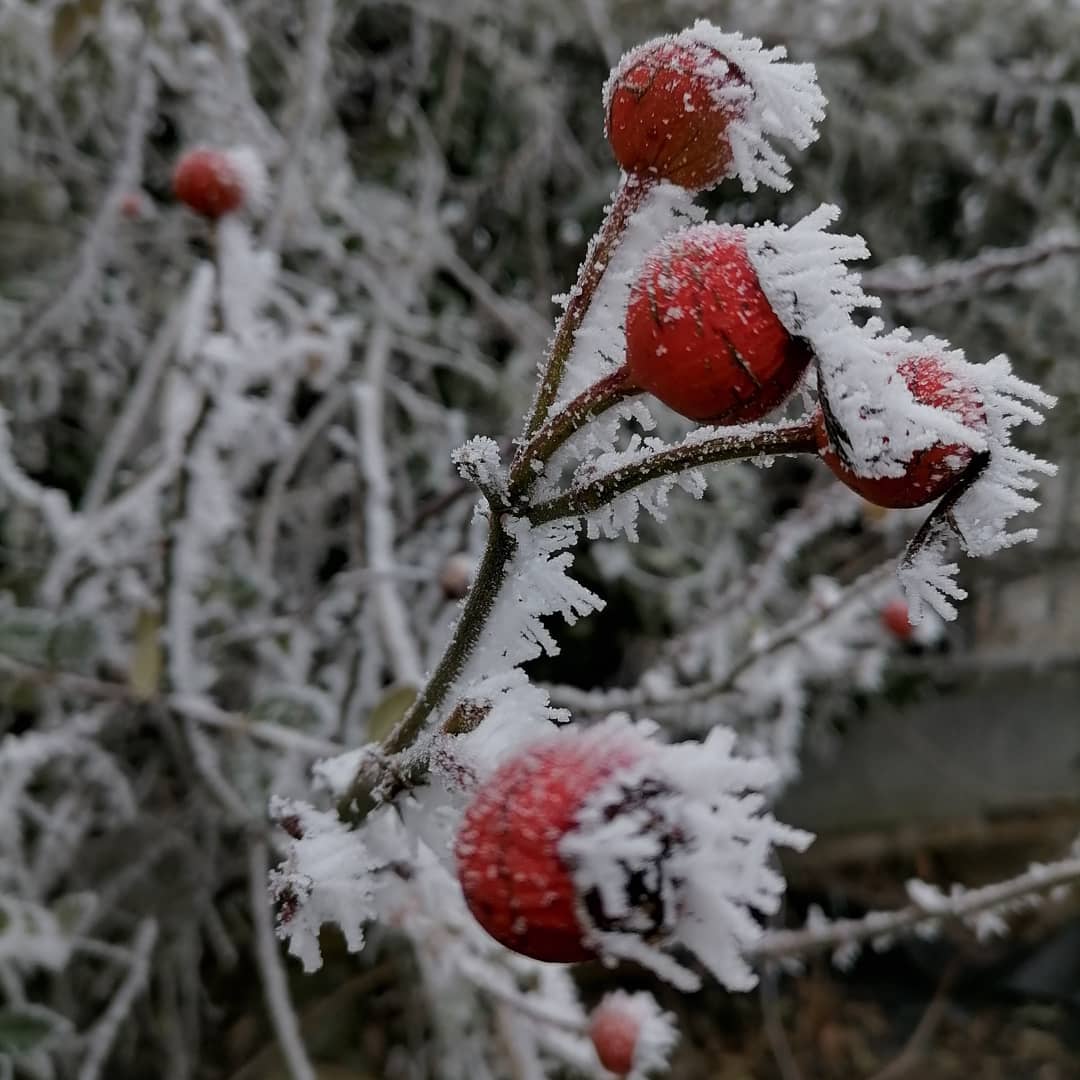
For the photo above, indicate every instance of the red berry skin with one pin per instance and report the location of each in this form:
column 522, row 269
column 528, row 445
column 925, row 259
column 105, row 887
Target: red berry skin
column 702, row 336
column 894, row 617
column 930, row 472
column 515, row 883
column 664, row 116
column 614, row 1033
column 207, row 182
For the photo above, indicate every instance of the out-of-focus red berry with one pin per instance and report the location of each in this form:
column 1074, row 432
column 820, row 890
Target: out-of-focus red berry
column 932, row 471
column 614, row 1030
column 515, row 882
column 701, row 334
column 208, row 182
column 668, row 113
column 894, row 617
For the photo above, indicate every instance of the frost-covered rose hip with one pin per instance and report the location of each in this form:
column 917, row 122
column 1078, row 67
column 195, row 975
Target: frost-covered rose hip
column 516, row 883
column 930, row 472
column 630, row 1033
column 209, row 182
column 607, row 842
column 669, row 104
column 702, row 336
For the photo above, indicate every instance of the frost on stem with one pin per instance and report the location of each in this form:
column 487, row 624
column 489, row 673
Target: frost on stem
column 720, row 89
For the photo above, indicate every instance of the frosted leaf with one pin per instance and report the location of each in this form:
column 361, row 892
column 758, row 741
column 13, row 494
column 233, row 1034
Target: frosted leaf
column 778, row 99
column 326, row 877
column 480, row 462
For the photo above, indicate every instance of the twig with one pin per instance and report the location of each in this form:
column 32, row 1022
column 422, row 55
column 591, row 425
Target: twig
column 320, row 21
column 403, row 654
column 102, row 1036
column 271, row 971
column 693, row 453
column 902, row 280
column 778, row 944
column 773, row 1024
column 911, row 1056
column 628, row 198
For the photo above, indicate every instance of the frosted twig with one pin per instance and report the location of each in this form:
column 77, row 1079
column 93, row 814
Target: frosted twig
column 628, row 198
column 101, row 1037
column 320, row 21
column 403, row 654
column 127, row 423
column 789, row 633
column 690, row 454
column 97, row 244
column 271, row 970
column 266, row 527
column 903, row 280
column 780, row 944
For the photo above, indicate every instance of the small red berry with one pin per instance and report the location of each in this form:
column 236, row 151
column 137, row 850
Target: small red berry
column 701, row 334
column 614, row 1033
column 669, row 104
column 133, row 205
column 209, row 182
column 516, row 884
column 930, row 472
column 894, row 617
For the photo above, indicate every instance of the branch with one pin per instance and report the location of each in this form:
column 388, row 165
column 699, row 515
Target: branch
column 630, row 195
column 272, row 971
column 691, row 454
column 598, row 398
column 904, row 280
column 101, row 1038
column 402, row 651
column 782, row 944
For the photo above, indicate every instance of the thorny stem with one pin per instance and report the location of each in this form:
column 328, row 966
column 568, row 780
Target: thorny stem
column 550, row 436
column 589, row 497
column 544, row 438
column 361, row 796
column 631, row 193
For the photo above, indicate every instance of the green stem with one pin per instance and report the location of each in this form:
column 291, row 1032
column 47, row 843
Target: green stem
column 628, row 198
column 587, row 498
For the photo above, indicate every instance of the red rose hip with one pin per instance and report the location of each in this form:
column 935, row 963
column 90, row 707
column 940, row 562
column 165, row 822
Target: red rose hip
column 702, row 336
column 516, row 884
column 930, row 472
column 895, row 619
column 208, row 182
column 669, row 104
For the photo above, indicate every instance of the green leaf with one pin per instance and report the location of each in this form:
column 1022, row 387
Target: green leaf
column 390, row 709
column 25, row 1028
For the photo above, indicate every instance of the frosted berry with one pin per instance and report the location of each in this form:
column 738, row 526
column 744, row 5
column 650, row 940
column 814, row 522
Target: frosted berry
column 669, row 105
column 630, row 1033
column 614, row 1033
column 931, row 471
column 209, row 182
column 894, row 617
column 701, row 334
column 516, row 883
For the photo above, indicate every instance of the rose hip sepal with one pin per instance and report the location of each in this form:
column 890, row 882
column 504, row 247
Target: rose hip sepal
column 606, row 842
column 929, row 472
column 702, row 335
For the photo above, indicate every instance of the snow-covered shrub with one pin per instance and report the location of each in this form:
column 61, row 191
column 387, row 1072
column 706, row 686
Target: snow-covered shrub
column 251, row 420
